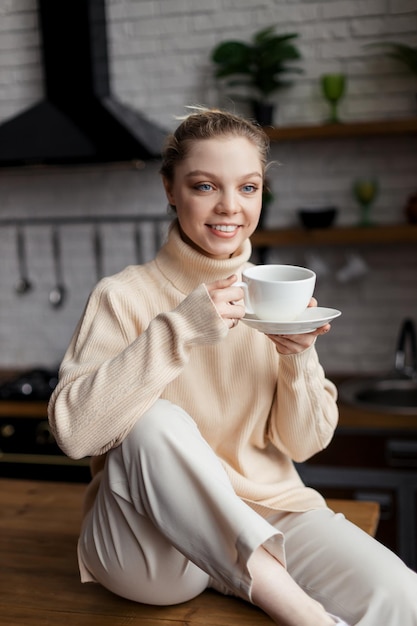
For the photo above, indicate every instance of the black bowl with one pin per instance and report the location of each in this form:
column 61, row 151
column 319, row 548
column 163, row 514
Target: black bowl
column 317, row 217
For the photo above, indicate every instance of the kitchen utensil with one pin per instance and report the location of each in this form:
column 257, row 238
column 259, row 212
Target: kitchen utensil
column 158, row 237
column 316, row 262
column 354, row 268
column 58, row 292
column 98, row 252
column 137, row 236
column 307, row 322
column 277, row 292
column 23, row 284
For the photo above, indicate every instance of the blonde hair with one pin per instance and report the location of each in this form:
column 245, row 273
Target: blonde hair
column 209, row 124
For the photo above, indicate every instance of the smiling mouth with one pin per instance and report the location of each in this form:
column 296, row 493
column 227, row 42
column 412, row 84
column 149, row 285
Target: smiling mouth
column 224, row 228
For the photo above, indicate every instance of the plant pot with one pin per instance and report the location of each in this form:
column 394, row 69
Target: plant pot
column 263, row 113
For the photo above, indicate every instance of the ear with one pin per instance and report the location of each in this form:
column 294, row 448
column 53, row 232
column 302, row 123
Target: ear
column 168, row 191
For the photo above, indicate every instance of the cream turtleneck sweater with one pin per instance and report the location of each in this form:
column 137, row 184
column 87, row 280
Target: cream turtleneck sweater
column 152, row 331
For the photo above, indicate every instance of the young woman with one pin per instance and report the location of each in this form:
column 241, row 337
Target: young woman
column 193, row 419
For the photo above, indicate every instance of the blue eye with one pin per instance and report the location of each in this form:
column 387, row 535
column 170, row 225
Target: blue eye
column 249, row 188
column 204, row 187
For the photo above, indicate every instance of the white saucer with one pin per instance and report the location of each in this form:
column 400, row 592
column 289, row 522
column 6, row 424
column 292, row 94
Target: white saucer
column 309, row 320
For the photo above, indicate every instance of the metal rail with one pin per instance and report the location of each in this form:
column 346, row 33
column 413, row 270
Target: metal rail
column 82, row 219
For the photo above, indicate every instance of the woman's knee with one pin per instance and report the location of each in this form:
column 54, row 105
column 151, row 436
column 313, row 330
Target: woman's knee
column 158, row 425
column 387, row 592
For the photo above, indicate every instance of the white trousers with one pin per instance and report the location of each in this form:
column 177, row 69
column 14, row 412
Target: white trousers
column 167, row 524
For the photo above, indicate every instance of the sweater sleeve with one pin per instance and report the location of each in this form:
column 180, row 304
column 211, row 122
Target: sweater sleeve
column 109, row 379
column 304, row 413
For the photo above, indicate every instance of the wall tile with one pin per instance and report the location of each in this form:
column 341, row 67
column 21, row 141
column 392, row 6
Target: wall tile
column 159, row 61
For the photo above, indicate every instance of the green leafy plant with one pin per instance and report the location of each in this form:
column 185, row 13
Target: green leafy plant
column 259, row 65
column 407, row 55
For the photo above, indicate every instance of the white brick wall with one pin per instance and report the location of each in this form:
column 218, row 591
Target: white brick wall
column 159, row 55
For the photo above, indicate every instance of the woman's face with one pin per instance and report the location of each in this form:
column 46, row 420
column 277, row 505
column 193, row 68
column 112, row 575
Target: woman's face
column 217, row 192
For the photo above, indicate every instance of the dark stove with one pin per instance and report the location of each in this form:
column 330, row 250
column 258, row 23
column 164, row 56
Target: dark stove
column 27, row 446
column 33, row 385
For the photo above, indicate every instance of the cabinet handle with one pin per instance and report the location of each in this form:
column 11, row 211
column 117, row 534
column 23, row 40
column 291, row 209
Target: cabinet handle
column 400, row 453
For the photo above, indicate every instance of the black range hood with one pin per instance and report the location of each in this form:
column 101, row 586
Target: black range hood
column 78, row 121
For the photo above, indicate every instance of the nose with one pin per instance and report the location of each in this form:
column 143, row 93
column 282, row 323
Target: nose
column 228, row 203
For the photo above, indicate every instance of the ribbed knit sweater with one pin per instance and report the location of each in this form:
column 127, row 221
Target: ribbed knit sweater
column 152, row 331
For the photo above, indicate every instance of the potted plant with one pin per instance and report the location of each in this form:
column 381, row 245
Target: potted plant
column 405, row 54
column 259, row 66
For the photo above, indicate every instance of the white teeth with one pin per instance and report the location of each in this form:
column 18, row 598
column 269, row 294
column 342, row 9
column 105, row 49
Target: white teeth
column 224, row 229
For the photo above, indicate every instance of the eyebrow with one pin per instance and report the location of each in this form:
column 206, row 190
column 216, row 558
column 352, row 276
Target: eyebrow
column 211, row 175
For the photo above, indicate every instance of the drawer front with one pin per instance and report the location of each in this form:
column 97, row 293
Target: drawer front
column 28, row 450
column 374, row 450
column 26, row 436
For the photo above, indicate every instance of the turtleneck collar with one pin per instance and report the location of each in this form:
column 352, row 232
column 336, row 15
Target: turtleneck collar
column 186, row 268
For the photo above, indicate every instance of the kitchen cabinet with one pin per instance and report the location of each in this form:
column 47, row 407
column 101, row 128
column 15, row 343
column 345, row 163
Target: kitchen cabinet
column 28, row 449
column 373, row 457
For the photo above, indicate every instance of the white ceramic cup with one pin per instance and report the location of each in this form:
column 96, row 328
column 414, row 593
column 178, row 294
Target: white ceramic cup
column 277, row 292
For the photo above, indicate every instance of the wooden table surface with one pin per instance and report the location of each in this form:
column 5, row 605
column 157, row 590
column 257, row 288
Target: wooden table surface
column 39, row 578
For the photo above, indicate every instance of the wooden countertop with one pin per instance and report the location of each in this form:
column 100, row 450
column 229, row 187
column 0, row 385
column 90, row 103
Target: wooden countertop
column 39, row 578
column 15, row 408
column 350, row 417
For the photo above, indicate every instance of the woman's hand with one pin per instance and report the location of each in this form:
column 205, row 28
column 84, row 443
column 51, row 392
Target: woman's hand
column 227, row 300
column 293, row 344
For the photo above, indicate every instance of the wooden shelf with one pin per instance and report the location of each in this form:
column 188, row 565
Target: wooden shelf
column 387, row 234
column 345, row 129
